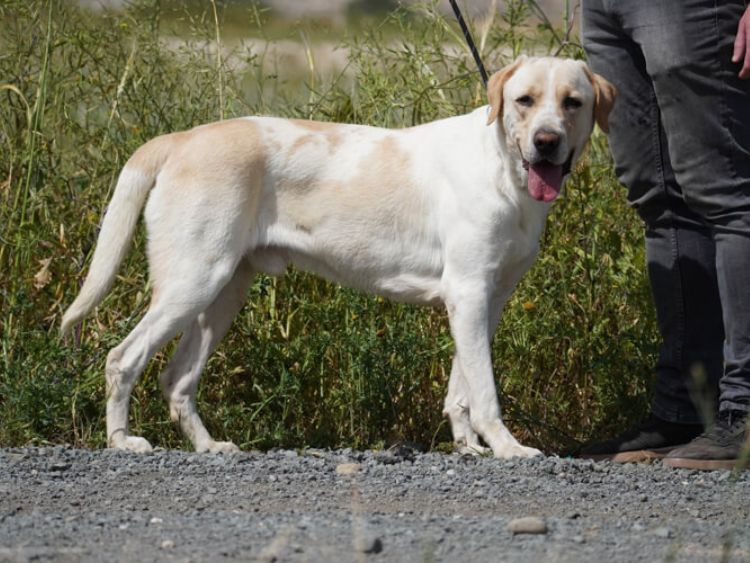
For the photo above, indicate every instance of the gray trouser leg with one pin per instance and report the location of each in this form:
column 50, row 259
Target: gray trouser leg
column 680, row 137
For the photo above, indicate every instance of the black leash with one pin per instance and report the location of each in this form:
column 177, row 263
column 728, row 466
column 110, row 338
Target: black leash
column 470, row 41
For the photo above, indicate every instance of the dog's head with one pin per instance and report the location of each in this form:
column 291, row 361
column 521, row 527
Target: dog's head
column 546, row 109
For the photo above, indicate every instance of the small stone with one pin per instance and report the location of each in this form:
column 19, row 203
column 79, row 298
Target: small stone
column 450, row 472
column 155, row 520
column 386, row 458
column 528, row 525
column 167, row 544
column 368, row 544
column 663, row 532
column 348, row 468
column 578, row 539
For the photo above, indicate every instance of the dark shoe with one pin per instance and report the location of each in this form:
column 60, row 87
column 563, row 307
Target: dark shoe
column 721, row 447
column 652, row 439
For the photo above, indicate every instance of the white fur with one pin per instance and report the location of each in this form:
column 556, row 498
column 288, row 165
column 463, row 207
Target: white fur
column 435, row 214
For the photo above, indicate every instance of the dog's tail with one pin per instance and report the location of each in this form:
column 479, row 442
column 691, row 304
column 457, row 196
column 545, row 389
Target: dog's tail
column 137, row 178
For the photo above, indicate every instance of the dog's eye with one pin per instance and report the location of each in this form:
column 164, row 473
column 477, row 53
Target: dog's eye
column 526, row 101
column 571, row 103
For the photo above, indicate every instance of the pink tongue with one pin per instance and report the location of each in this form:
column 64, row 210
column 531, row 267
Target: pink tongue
column 545, row 180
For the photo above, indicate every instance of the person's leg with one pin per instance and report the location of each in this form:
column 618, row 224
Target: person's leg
column 679, row 247
column 733, row 262
column 683, row 282
column 705, row 110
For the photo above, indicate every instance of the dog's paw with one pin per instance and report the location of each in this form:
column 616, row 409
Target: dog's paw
column 531, row 452
column 517, row 450
column 472, row 449
column 133, row 444
column 218, row 448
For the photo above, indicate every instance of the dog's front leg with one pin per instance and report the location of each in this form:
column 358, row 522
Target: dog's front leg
column 456, row 408
column 470, row 319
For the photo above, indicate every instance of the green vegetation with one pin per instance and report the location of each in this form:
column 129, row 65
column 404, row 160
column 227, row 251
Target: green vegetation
column 307, row 362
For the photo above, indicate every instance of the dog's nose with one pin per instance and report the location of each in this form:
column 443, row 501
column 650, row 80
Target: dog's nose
column 546, row 142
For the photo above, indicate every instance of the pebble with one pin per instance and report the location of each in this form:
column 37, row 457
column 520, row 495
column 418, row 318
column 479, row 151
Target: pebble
column 663, row 532
column 387, row 458
column 348, row 468
column 527, row 525
column 368, row 543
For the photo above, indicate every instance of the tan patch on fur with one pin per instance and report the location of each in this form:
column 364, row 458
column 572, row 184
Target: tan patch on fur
column 150, row 157
column 315, row 126
column 495, row 87
column 382, row 183
column 562, row 92
column 393, row 173
column 219, row 166
column 331, row 131
column 334, row 140
column 526, row 114
column 604, row 98
column 221, row 153
column 301, row 142
column 381, row 192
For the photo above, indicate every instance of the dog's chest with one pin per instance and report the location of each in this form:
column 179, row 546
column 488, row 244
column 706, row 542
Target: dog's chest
column 516, row 238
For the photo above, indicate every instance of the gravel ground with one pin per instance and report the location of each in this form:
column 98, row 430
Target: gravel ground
column 65, row 504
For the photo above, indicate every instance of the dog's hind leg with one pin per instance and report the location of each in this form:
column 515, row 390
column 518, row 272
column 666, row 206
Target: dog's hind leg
column 170, row 312
column 180, row 379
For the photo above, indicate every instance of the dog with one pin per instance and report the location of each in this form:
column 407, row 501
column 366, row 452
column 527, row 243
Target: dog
column 447, row 213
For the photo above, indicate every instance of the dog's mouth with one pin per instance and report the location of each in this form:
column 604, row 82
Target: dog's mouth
column 546, row 178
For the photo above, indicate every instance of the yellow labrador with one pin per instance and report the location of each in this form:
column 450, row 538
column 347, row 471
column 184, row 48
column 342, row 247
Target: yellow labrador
column 447, row 213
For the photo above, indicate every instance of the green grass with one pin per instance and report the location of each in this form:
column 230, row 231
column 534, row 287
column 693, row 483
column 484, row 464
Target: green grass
column 307, row 363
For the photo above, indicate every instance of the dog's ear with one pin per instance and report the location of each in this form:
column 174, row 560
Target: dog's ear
column 495, row 88
column 604, row 99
